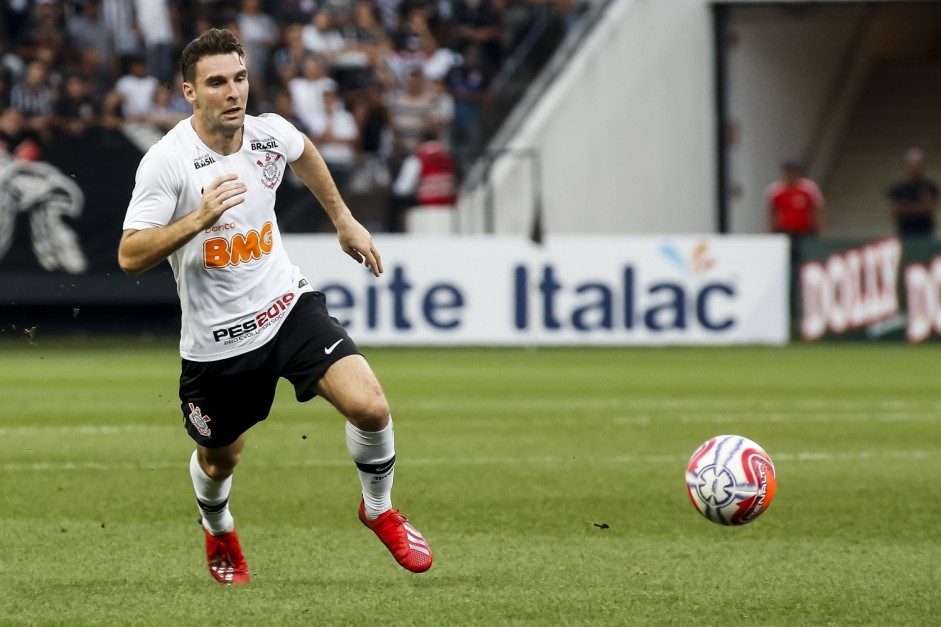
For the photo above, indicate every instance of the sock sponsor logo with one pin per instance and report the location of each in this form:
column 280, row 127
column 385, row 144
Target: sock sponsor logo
column 199, row 421
column 378, row 478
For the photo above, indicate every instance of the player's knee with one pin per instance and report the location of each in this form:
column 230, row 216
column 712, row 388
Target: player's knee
column 221, row 467
column 370, row 414
column 219, row 472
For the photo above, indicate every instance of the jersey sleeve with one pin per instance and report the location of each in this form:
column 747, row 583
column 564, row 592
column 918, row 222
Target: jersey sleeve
column 293, row 139
column 814, row 191
column 155, row 195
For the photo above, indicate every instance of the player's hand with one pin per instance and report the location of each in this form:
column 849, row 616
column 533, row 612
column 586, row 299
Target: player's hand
column 220, row 196
column 356, row 242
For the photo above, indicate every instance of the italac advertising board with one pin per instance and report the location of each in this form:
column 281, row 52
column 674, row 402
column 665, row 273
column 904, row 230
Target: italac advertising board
column 886, row 289
column 571, row 290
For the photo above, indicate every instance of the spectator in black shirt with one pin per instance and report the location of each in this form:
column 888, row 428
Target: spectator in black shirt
column 76, row 111
column 479, row 23
column 914, row 200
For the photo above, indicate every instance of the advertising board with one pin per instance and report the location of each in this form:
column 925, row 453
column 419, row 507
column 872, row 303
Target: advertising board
column 572, row 290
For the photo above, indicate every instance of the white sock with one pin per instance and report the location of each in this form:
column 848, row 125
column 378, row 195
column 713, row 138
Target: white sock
column 212, row 498
column 374, row 454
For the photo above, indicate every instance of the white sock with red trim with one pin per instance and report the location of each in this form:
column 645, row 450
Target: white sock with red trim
column 374, row 454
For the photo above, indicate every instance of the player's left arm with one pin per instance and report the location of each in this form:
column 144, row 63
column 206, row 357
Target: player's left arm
column 355, row 240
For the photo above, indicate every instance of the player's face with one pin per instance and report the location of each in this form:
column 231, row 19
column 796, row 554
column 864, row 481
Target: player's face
column 219, row 92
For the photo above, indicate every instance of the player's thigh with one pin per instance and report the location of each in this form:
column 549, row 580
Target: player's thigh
column 220, row 462
column 351, row 386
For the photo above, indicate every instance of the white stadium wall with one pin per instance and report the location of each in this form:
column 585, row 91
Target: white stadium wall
column 781, row 72
column 626, row 132
column 794, row 79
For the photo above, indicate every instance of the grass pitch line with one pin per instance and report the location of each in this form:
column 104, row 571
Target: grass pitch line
column 805, row 456
column 515, row 405
column 86, row 429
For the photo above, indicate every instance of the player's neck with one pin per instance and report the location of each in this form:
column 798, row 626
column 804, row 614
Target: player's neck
column 220, row 142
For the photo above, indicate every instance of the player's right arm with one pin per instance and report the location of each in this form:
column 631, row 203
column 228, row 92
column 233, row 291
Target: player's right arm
column 143, row 249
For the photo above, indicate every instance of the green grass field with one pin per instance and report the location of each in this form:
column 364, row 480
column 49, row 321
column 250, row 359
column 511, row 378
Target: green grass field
column 506, row 459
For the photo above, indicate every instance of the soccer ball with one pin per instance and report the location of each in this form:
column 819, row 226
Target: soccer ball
column 730, row 480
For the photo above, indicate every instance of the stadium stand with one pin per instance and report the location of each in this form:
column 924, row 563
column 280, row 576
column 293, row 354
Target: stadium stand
column 73, row 67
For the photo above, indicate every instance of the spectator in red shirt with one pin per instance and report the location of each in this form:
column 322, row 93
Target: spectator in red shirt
column 795, row 203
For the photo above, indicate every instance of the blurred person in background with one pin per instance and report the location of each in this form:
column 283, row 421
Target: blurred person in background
column 413, row 43
column 366, row 34
column 178, row 102
column 795, row 209
column 14, row 22
column 412, row 114
column 442, row 110
column 163, row 116
column 341, row 12
column 293, row 11
column 322, row 37
column 4, row 89
column 287, row 61
column 795, row 203
column 88, row 29
column 11, row 65
column 158, row 25
column 478, row 23
column 76, row 110
column 259, row 34
column 284, row 106
column 335, row 134
column 120, row 16
column 372, row 177
column 307, row 89
column 388, row 13
column 17, row 140
column 468, row 83
column 33, row 98
column 136, row 90
column 913, row 201
column 45, row 29
column 426, row 179
column 99, row 76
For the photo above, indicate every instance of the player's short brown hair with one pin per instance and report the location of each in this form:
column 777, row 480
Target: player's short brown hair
column 213, row 41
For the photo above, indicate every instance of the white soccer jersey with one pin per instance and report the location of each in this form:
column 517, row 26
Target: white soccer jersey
column 235, row 281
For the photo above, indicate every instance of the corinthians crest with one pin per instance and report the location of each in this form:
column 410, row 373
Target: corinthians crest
column 270, row 170
column 199, row 421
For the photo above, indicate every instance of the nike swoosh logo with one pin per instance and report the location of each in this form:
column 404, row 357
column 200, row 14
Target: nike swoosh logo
column 330, row 349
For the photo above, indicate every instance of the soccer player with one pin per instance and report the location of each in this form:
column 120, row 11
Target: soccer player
column 204, row 199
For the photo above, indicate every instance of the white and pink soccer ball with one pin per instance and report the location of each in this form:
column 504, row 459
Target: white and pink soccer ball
column 730, row 480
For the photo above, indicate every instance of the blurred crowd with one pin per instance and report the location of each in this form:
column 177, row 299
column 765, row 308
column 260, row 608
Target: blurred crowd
column 367, row 80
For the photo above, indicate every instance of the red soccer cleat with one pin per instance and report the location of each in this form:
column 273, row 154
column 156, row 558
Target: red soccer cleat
column 226, row 562
column 407, row 545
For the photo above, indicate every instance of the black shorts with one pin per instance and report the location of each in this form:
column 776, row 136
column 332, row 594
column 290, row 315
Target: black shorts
column 223, row 399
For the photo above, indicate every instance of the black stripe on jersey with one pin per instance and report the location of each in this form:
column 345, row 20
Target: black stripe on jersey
column 381, row 468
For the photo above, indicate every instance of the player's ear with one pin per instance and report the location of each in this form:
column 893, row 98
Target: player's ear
column 189, row 92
